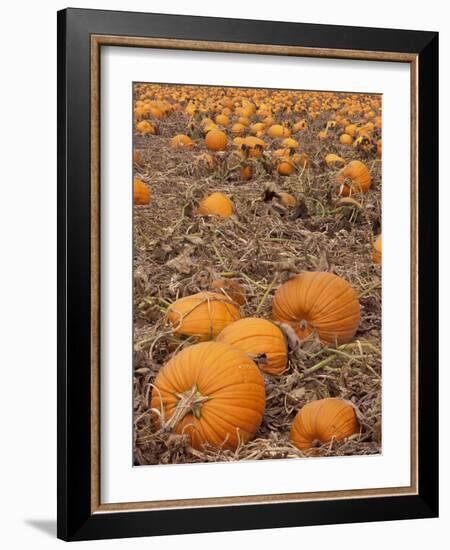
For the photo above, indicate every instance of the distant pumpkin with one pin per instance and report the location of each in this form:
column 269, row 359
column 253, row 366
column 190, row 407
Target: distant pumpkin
column 141, row 192
column 181, row 141
column 216, row 204
column 345, row 139
column 216, row 140
column 333, row 160
column 377, row 250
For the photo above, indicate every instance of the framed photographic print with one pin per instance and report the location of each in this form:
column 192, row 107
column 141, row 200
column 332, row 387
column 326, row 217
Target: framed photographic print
column 238, row 347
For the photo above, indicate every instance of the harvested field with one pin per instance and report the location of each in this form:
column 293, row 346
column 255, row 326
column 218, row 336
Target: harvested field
column 261, row 245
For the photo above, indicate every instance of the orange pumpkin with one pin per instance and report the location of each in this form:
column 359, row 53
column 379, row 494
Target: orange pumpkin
column 318, row 302
column 181, row 141
column 216, row 140
column 255, row 146
column 285, row 167
column 237, row 129
column 144, row 127
column 334, row 160
column 141, row 192
column 277, row 131
column 136, row 157
column 203, row 315
column 259, row 338
column 211, row 392
column 353, row 178
column 216, row 204
column 286, row 199
column 377, row 250
column 345, row 139
column 321, row 421
column 223, row 120
column 300, row 126
column 246, row 172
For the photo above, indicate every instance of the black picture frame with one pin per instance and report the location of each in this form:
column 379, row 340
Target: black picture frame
column 75, row 518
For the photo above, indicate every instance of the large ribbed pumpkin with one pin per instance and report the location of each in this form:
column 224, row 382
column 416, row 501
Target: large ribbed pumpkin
column 353, row 178
column 141, row 193
column 211, row 392
column 203, row 315
column 318, row 302
column 321, row 421
column 259, row 338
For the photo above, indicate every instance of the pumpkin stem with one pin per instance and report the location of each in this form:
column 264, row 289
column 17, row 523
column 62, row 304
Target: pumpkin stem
column 190, row 402
column 303, row 324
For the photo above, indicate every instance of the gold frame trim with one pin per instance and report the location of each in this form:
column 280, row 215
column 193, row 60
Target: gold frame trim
column 97, row 41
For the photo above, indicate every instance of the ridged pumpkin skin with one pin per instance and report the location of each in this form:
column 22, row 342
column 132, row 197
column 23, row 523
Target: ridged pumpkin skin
column 203, row 315
column 141, row 193
column 318, row 302
column 353, row 178
column 217, row 204
column 323, row 420
column 216, row 140
column 377, row 250
column 228, row 395
column 261, row 339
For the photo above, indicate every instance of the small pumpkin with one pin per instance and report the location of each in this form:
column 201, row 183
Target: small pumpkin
column 181, row 141
column 238, row 129
column 318, row 302
column 376, row 251
column 222, row 120
column 321, row 421
column 300, row 126
column 136, row 157
column 216, row 140
column 203, row 315
column 345, row 139
column 216, row 204
column 261, row 339
column 287, row 199
column 246, row 172
column 144, row 127
column 289, row 142
column 353, row 178
column 141, row 193
column 334, row 160
column 285, row 167
column 213, row 393
column 278, row 131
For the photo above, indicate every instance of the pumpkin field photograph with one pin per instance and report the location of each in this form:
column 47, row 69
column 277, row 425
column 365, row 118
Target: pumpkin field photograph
column 256, row 274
